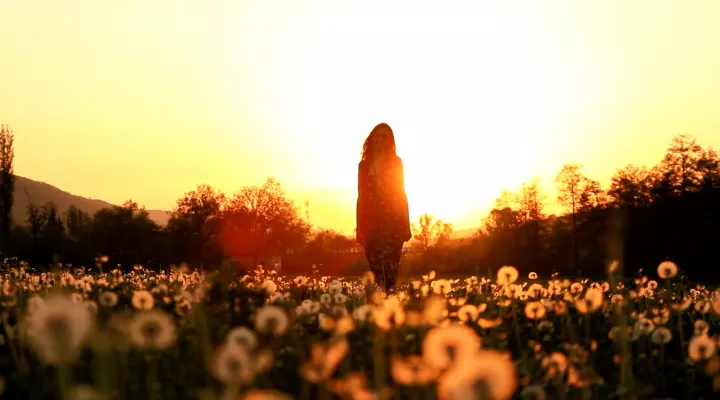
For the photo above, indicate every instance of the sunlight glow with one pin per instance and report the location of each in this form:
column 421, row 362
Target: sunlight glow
column 481, row 95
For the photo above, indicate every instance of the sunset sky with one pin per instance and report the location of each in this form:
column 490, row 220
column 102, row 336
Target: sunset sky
column 144, row 99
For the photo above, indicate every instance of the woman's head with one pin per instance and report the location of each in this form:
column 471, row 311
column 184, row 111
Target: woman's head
column 380, row 142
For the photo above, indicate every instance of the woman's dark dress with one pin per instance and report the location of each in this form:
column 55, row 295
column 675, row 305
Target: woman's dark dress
column 383, row 223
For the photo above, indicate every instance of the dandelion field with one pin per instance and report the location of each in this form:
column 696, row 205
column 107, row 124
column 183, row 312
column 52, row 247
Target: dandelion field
column 104, row 334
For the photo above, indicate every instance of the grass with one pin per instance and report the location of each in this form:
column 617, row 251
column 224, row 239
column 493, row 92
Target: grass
column 186, row 335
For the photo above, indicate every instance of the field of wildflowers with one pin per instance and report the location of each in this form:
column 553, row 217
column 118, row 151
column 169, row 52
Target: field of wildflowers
column 104, row 334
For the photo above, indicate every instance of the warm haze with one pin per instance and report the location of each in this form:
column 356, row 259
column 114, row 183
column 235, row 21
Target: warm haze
column 146, row 99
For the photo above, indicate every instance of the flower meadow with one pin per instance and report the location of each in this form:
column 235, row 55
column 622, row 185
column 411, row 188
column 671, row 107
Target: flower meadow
column 75, row 333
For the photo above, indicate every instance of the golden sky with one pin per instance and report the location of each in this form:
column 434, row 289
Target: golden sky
column 144, row 99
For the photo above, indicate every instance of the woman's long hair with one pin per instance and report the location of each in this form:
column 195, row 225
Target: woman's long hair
column 368, row 151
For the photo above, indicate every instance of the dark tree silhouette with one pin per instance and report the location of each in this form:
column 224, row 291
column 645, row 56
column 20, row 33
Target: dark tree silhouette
column 630, row 187
column 7, row 181
column 531, row 203
column 193, row 225
column 646, row 215
column 709, row 168
column 679, row 169
column 570, row 194
column 77, row 222
column 125, row 234
column 46, row 231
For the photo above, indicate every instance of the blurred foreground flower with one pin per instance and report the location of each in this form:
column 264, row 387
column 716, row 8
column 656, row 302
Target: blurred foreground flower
column 85, row 392
column 447, row 346
column 265, row 394
column 57, row 330
column 233, row 366
column 412, row 371
column 487, row 374
column 272, row 320
column 667, row 270
column 324, row 359
column 153, row 330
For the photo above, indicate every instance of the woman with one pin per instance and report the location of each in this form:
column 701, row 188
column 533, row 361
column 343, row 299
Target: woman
column 383, row 223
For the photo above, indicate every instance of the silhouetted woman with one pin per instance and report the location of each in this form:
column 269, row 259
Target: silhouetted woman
column 383, row 223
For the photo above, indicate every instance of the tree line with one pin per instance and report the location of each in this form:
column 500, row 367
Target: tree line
column 645, row 215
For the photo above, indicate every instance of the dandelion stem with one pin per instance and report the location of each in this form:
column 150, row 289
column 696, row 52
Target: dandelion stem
column 16, row 355
column 379, row 360
column 516, row 322
column 305, row 389
column 625, row 390
column 203, row 340
column 103, row 367
column 682, row 346
column 64, row 376
column 152, row 376
column 587, row 328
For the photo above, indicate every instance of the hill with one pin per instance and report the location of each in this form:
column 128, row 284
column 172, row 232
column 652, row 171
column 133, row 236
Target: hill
column 41, row 193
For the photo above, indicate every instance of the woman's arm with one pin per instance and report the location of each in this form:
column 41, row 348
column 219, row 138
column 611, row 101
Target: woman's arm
column 359, row 219
column 405, row 209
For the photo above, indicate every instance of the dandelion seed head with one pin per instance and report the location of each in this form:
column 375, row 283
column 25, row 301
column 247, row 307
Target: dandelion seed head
column 535, row 310
column 445, row 346
column 507, row 275
column 242, row 336
column 487, row 374
column 273, row 320
column 153, row 329
column 468, row 313
column 701, row 347
column 667, row 270
column 661, row 336
column 143, row 300
column 58, row 330
column 233, row 366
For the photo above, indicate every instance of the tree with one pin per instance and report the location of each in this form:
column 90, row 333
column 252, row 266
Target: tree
column 329, row 241
column 679, row 170
column 507, row 199
column 54, row 227
column 500, row 230
column 126, row 234
column 259, row 220
column 592, row 196
column 199, row 205
column 570, row 194
column 193, row 225
column 7, row 180
column 36, row 221
column 502, row 220
column 306, row 205
column 77, row 222
column 709, row 168
column 531, row 204
column 79, row 226
column 430, row 232
column 530, row 201
column 630, row 187
column 47, row 231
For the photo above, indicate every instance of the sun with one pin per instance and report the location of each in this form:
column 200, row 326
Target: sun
column 455, row 181
column 438, row 191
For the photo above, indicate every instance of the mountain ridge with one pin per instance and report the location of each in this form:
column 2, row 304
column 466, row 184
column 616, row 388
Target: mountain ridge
column 40, row 193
